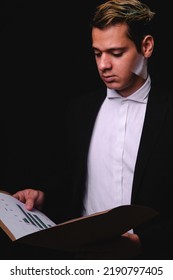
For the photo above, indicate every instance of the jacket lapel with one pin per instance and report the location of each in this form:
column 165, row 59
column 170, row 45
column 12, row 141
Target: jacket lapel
column 154, row 120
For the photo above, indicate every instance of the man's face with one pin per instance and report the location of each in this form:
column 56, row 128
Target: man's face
column 117, row 58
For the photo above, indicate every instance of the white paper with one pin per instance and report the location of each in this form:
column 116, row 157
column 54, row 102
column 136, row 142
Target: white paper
column 19, row 220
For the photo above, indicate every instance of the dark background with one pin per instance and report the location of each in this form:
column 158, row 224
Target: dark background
column 46, row 61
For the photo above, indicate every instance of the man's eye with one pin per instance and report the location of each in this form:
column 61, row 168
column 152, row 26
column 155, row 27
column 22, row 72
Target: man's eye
column 117, row 54
column 97, row 54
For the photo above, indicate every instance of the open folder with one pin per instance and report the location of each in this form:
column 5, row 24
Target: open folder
column 36, row 229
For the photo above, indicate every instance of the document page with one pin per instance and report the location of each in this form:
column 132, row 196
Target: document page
column 18, row 220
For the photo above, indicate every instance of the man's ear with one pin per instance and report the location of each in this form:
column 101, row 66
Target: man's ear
column 147, row 46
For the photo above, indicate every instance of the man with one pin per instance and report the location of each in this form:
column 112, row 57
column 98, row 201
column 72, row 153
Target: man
column 119, row 138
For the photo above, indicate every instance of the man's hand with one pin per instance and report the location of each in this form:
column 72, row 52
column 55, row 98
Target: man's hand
column 31, row 198
column 127, row 246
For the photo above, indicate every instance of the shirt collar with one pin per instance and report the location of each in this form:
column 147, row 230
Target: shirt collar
column 141, row 95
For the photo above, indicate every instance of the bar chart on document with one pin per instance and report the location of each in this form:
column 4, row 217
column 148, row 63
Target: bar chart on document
column 19, row 220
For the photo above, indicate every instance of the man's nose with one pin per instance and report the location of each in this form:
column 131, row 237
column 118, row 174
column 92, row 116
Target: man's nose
column 105, row 62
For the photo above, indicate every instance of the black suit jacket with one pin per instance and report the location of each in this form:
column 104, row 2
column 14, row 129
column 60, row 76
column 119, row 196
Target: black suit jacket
column 153, row 177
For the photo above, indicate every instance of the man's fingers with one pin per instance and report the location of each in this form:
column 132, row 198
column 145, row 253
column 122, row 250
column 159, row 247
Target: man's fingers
column 29, row 204
column 31, row 198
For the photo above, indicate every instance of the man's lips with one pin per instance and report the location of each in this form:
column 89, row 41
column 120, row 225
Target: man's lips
column 108, row 79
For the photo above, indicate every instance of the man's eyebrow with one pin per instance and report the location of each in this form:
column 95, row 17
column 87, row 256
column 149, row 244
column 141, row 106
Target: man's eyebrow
column 110, row 49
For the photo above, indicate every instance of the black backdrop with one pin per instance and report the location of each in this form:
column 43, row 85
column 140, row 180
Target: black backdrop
column 46, row 61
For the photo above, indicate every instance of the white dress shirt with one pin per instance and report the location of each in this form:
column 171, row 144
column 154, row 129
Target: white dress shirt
column 113, row 150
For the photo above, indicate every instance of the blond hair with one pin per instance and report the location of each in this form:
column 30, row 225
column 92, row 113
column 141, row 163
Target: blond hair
column 127, row 11
column 134, row 13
